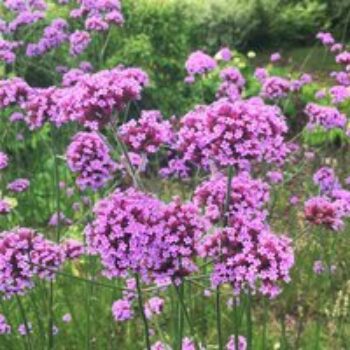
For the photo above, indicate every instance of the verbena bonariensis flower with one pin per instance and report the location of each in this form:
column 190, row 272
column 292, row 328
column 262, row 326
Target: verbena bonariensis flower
column 173, row 249
column 23, row 255
column 146, row 134
column 96, row 97
column 261, row 74
column 72, row 248
column 325, row 38
column 135, row 231
column 339, row 94
column 275, row 88
column 242, row 343
column 53, row 37
column 59, row 219
column 88, row 155
column 13, row 91
column 343, row 58
column 125, row 224
column 224, row 54
column 5, row 328
column 326, row 179
column 322, row 211
column 232, row 85
column 275, row 57
column 199, row 63
column 25, row 328
column 16, row 117
column 275, row 177
column 72, row 76
column 324, row 116
column 234, row 76
column 7, row 48
column 4, row 160
column 248, row 255
column 234, row 134
column 248, row 197
column 18, row 185
column 5, row 207
column 25, row 18
column 23, row 5
column 122, row 310
column 79, row 41
column 342, row 78
column 154, row 306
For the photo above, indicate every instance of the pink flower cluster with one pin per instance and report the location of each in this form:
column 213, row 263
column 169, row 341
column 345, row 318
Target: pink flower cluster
column 248, row 198
column 232, row 84
column 275, row 88
column 79, row 41
column 248, row 255
column 5, row 328
column 18, row 185
column 4, row 160
column 326, row 179
column 199, row 63
column 135, row 231
column 23, row 255
column 89, row 157
column 324, row 116
column 234, row 134
column 146, row 134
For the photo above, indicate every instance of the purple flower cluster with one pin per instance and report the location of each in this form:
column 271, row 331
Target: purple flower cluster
column 13, row 91
column 325, row 38
column 4, row 160
column 53, row 37
column 135, row 231
column 324, row 116
column 18, row 185
column 326, row 179
column 242, row 343
column 7, row 48
column 154, row 306
column 343, row 58
column 99, row 14
column 322, row 211
column 224, row 54
column 23, row 255
column 5, row 207
column 199, row 63
column 248, row 255
column 89, row 156
column 234, row 134
column 122, row 310
column 146, row 134
column 232, row 84
column 275, row 88
column 248, row 198
column 275, row 57
column 5, row 328
column 79, row 41
column 339, row 94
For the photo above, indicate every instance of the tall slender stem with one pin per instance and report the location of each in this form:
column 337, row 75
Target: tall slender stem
column 218, row 318
column 142, row 310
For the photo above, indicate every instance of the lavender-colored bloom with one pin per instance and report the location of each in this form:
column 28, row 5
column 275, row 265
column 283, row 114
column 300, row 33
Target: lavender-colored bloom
column 13, row 91
column 275, row 88
column 79, row 41
column 4, row 160
column 86, row 67
column 16, row 117
column 96, row 23
column 324, row 116
column 89, row 156
column 249, row 255
column 24, row 329
column 339, row 94
column 5, row 328
column 343, row 58
column 234, row 134
column 261, row 74
column 25, row 254
column 234, row 76
column 122, row 310
column 320, row 94
column 275, row 177
column 248, row 196
column 326, row 179
column 146, row 134
column 224, row 54
column 294, row 200
column 61, row 219
column 66, row 318
column 242, row 343
column 72, row 248
column 325, row 38
column 199, row 63
column 5, row 207
column 154, row 306
column 18, row 185
column 322, row 211
column 318, row 267
column 275, row 57
column 337, row 47
column 190, row 79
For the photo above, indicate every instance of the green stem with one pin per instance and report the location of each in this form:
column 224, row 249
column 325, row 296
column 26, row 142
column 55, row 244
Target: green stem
column 218, row 318
column 142, row 310
column 25, row 321
column 249, row 322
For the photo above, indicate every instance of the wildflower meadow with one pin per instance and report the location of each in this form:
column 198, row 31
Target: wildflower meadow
column 219, row 222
